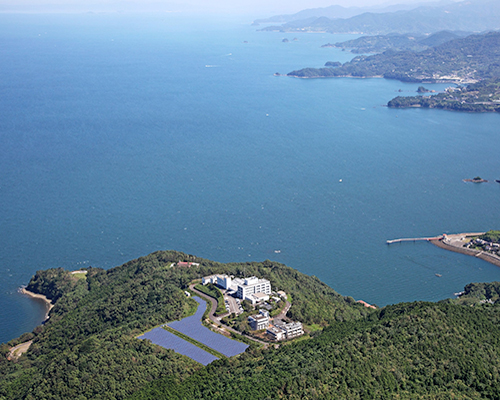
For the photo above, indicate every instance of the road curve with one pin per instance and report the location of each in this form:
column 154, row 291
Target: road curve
column 282, row 314
column 216, row 321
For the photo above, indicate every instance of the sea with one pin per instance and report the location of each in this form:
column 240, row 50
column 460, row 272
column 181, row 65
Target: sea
column 123, row 134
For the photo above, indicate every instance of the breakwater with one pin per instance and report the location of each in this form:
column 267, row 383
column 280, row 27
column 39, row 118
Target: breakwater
column 402, row 240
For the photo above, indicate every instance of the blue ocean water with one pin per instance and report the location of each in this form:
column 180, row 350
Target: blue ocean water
column 125, row 134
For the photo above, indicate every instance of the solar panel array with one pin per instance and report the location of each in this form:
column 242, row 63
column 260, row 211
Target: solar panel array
column 168, row 340
column 192, row 327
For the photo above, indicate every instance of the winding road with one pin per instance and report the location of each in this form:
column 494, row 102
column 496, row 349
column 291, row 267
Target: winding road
column 216, row 320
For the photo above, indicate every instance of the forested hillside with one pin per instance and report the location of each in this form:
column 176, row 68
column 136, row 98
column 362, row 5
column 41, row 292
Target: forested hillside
column 396, row 42
column 405, row 351
column 483, row 96
column 88, row 350
column 471, row 58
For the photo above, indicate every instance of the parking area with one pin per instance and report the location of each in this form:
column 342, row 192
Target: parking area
column 233, row 305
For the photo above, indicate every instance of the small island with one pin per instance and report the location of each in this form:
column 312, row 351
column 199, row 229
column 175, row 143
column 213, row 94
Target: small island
column 477, row 179
column 422, row 89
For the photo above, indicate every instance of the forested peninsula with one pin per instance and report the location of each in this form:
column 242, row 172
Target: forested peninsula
column 469, row 59
column 88, row 349
column 482, row 96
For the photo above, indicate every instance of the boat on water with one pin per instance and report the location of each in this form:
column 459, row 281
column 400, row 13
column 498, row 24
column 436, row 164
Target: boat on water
column 497, row 180
column 438, row 275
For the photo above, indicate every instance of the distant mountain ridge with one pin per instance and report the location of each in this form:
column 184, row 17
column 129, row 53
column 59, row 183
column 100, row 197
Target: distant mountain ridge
column 473, row 15
column 336, row 11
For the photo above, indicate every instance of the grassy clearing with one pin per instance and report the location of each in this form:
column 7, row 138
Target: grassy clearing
column 313, row 327
column 196, row 343
column 79, row 275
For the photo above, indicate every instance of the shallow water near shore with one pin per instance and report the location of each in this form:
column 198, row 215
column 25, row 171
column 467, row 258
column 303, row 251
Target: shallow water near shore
column 121, row 135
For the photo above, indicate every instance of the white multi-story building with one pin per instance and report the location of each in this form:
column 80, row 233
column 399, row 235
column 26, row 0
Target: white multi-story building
column 209, row 279
column 282, row 330
column 253, row 285
column 257, row 298
column 259, row 321
column 275, row 333
column 223, row 281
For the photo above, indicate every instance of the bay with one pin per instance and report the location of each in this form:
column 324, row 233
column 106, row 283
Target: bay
column 125, row 134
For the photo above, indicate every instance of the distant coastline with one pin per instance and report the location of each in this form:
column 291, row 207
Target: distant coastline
column 48, row 303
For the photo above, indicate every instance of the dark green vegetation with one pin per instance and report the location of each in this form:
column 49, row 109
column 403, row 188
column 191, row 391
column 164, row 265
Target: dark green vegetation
column 404, row 351
column 477, row 294
column 422, row 89
column 488, row 242
column 333, row 64
column 88, row 350
column 475, row 15
column 491, row 236
column 396, row 42
column 213, row 291
column 483, row 96
column 473, row 57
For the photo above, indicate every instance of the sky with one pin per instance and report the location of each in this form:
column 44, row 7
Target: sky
column 261, row 8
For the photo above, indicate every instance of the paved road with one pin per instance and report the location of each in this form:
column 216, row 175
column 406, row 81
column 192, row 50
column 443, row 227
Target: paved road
column 282, row 314
column 213, row 302
column 233, row 306
column 216, row 320
column 16, row 351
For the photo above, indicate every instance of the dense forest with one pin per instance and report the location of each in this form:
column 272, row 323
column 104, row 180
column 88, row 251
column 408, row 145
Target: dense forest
column 472, row 58
column 405, row 351
column 87, row 349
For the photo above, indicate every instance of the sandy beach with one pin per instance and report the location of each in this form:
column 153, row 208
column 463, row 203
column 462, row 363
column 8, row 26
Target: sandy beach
column 41, row 297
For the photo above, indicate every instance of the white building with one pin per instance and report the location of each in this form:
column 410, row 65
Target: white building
column 209, row 279
column 258, row 297
column 275, row 333
column 224, row 281
column 282, row 330
column 292, row 329
column 259, row 321
column 251, row 286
